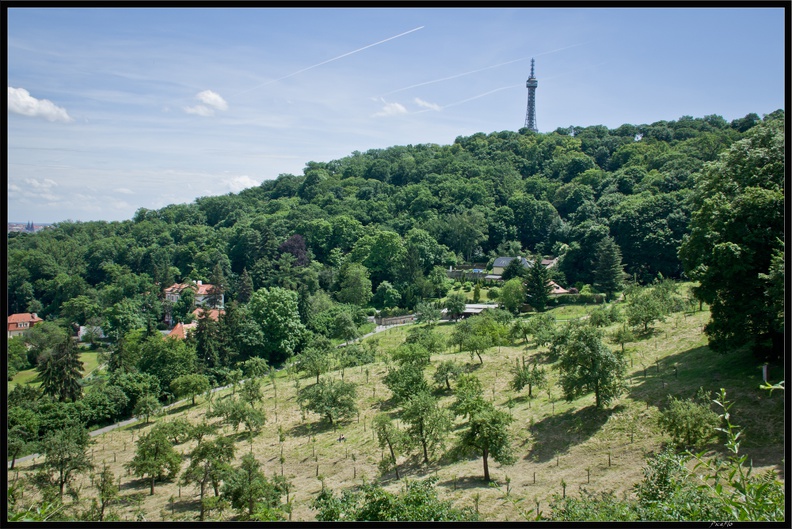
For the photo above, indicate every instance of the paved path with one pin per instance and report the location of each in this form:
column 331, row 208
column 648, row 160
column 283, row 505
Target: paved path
column 378, row 328
column 100, row 431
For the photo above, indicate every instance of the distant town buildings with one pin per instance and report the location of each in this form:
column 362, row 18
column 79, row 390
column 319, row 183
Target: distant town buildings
column 27, row 227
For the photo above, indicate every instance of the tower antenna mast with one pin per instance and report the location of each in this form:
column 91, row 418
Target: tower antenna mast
column 530, row 114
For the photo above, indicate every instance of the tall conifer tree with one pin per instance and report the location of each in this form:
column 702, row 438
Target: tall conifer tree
column 608, row 271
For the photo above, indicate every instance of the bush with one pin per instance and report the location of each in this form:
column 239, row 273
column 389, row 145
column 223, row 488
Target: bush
column 689, row 423
column 576, row 299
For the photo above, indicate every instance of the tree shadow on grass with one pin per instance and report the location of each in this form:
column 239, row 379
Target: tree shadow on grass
column 759, row 414
column 173, row 410
column 556, row 434
column 311, row 428
column 465, row 483
column 542, row 358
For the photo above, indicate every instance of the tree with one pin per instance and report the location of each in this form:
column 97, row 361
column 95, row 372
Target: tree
column 344, row 327
column 317, row 358
column 65, row 454
column 524, row 376
column 644, row 307
column 147, row 406
column 216, row 292
column 477, row 344
column 469, row 395
column 251, row 391
column 512, row 294
column 233, row 412
column 427, row 313
column 21, row 437
column 460, row 334
column 332, row 399
column 155, row 458
column 60, row 371
column 446, row 371
column 514, row 270
column 209, row 463
column 255, row 367
column 386, row 296
column 245, row 288
column 608, row 268
column 428, row 423
column 177, row 430
column 537, row 285
column 247, row 486
column 405, row 380
column 126, row 354
column 412, row 352
column 191, row 385
column 166, row 359
column 17, row 356
column 488, row 434
column 355, row 285
column 388, row 435
column 622, row 336
column 208, row 341
column 276, row 312
column 43, row 338
column 587, row 365
column 107, row 491
column 735, row 230
column 690, row 422
column 182, row 309
column 455, row 305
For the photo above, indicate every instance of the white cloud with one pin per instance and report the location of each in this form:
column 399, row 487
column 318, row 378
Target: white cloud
column 431, row 106
column 238, row 183
column 390, row 109
column 124, row 190
column 21, row 102
column 45, row 184
column 200, row 110
column 211, row 101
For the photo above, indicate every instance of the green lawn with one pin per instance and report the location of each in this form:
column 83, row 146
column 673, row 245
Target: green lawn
column 90, row 362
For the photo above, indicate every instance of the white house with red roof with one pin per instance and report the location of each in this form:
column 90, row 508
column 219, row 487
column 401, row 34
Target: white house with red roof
column 182, row 330
column 19, row 323
column 203, row 291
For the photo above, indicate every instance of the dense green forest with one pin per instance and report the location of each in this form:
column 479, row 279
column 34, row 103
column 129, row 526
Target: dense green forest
column 303, row 260
column 398, row 217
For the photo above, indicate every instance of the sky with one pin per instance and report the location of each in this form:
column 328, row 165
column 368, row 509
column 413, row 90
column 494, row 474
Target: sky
column 115, row 109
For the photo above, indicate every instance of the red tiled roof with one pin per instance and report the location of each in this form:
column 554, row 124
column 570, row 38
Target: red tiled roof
column 180, row 330
column 200, row 290
column 213, row 313
column 25, row 317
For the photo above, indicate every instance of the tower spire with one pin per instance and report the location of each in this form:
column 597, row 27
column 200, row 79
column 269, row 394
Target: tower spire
column 530, row 114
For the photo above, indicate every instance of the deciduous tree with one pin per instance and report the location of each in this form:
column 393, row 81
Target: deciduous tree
column 488, row 435
column 155, row 458
column 587, row 365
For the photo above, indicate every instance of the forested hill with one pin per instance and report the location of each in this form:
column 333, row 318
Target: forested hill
column 402, row 213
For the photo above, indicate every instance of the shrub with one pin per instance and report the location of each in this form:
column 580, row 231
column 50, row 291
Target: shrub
column 688, row 422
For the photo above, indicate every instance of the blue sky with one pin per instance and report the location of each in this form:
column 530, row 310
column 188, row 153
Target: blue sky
column 111, row 110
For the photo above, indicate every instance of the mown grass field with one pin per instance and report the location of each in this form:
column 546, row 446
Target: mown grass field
column 554, row 440
column 89, row 359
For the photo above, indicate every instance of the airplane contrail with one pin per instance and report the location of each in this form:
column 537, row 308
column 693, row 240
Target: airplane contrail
column 482, row 95
column 479, row 70
column 330, row 60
